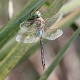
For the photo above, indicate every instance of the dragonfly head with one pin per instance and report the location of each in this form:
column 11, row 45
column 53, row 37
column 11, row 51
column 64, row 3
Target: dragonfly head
column 37, row 13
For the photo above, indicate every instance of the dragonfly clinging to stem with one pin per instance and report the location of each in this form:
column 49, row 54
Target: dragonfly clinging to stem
column 34, row 28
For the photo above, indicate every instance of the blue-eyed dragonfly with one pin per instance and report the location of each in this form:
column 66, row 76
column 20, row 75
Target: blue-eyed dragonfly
column 33, row 30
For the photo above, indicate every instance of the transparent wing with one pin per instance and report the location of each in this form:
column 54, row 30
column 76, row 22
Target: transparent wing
column 24, row 24
column 29, row 35
column 54, row 35
column 27, row 25
column 27, row 39
column 51, row 21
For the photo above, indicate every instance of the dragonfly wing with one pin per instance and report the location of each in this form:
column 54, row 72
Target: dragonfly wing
column 24, row 25
column 54, row 35
column 28, row 36
column 27, row 39
column 53, row 20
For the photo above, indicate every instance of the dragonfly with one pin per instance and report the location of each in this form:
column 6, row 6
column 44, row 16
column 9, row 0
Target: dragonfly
column 34, row 28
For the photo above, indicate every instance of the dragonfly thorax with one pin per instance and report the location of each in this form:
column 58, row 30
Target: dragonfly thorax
column 39, row 25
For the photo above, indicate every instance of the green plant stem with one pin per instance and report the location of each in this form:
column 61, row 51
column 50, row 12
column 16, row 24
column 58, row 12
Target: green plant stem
column 7, row 48
column 70, row 6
